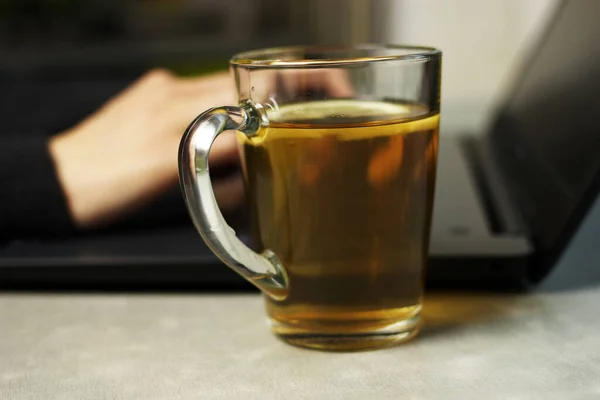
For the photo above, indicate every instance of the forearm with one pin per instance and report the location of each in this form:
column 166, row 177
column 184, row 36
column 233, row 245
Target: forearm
column 31, row 202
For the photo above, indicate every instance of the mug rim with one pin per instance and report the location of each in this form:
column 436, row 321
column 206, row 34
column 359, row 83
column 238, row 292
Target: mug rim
column 268, row 57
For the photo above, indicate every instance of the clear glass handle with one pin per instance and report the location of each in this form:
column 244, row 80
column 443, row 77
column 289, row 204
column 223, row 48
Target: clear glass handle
column 263, row 270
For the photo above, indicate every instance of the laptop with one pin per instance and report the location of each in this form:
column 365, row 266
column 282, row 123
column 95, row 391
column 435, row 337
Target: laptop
column 507, row 202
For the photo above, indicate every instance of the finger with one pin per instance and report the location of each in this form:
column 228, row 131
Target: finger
column 150, row 82
column 199, row 79
column 260, row 85
column 229, row 192
column 335, row 82
column 224, row 149
column 220, row 81
column 182, row 109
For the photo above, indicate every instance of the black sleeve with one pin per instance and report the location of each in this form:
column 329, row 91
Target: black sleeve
column 32, row 203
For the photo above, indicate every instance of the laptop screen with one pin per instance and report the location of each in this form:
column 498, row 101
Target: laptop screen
column 548, row 132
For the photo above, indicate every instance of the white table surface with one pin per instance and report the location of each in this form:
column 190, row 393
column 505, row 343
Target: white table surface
column 545, row 345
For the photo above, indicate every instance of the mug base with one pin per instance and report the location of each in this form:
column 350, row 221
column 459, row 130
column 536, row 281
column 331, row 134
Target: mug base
column 385, row 336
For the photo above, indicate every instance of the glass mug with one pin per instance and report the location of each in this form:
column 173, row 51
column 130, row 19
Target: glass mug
column 338, row 149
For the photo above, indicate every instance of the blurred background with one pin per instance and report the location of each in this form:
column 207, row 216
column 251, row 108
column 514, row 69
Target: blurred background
column 61, row 59
column 104, row 39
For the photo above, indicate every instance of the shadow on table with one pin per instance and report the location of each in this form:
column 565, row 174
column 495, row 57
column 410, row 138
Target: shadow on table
column 447, row 312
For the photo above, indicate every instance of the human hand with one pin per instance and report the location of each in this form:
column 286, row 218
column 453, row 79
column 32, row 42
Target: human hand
column 125, row 154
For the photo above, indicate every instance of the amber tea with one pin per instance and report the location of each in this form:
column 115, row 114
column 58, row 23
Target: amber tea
column 341, row 191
